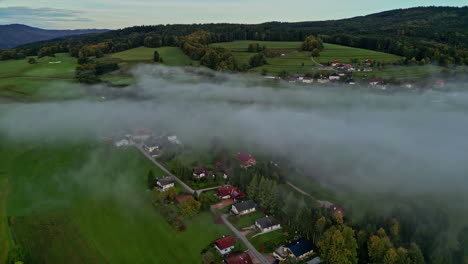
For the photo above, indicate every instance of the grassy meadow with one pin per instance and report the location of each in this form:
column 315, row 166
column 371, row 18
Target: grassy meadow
column 48, row 79
column 296, row 61
column 79, row 202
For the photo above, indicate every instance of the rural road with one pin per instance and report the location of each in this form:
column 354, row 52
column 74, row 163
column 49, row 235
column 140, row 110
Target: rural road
column 252, row 250
column 322, row 203
column 183, row 184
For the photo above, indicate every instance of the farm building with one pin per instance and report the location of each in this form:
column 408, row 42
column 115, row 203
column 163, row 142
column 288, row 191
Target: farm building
column 375, row 82
column 230, row 192
column 246, row 159
column 165, row 183
column 239, row 258
column 244, row 207
column 200, row 172
column 225, row 244
column 267, row 224
column 334, row 77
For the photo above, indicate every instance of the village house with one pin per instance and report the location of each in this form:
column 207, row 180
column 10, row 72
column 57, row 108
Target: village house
column 298, row 250
column 351, row 81
column 336, row 210
column 267, row 224
column 323, row 80
column 299, row 77
column 334, row 77
column 238, row 258
column 308, row 80
column 230, row 192
column 439, row 83
column 375, row 82
column 200, row 172
column 335, row 63
column 244, row 207
column 123, row 143
column 141, row 134
column 225, row 244
column 407, row 85
column 368, row 62
column 184, row 197
column 165, row 183
column 174, row 140
column 223, row 169
column 246, row 159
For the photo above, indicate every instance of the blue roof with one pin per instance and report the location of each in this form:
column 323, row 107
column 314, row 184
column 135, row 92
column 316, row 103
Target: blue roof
column 300, row 247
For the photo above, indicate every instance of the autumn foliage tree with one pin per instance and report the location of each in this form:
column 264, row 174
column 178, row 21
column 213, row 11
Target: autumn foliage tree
column 338, row 245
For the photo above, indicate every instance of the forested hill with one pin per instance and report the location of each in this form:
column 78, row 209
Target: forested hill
column 14, row 35
column 432, row 34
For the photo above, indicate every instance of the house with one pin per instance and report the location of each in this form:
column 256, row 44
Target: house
column 123, row 143
column 375, row 82
column 334, row 77
column 299, row 250
column 267, row 224
column 221, row 168
column 407, row 85
column 174, row 140
column 230, row 192
column 335, row 63
column 351, row 81
column 244, row 207
column 323, row 80
column 246, row 159
column 292, row 80
column 335, row 210
column 200, row 172
column 307, row 80
column 225, row 244
column 165, row 183
column 440, row 83
column 239, row 258
column 368, row 62
column 141, row 134
column 299, row 77
column 182, row 198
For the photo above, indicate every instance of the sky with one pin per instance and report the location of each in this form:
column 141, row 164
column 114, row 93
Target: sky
column 114, row 14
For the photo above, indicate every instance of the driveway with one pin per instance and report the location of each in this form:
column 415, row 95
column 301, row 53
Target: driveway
column 252, row 250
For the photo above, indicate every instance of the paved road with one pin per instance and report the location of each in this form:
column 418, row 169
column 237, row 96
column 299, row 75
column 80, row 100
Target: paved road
column 322, row 203
column 252, row 250
column 183, row 184
column 208, row 189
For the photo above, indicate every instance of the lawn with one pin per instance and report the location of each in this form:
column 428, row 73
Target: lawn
column 268, row 242
column 21, row 81
column 172, row 56
column 90, row 203
column 244, row 221
column 345, row 54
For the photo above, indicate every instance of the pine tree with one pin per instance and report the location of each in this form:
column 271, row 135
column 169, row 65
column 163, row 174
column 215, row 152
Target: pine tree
column 252, row 189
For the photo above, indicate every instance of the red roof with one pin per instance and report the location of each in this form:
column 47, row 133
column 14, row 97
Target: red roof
column 225, row 242
column 246, row 158
column 200, row 170
column 182, row 198
column 239, row 258
column 231, row 191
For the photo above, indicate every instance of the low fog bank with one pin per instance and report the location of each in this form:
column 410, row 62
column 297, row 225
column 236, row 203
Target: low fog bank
column 410, row 143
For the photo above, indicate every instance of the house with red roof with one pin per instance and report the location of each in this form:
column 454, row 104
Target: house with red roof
column 182, row 198
column 246, row 159
column 239, row 258
column 225, row 244
column 230, row 192
column 200, row 172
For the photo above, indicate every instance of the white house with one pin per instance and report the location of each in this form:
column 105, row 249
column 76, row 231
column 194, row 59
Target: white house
column 334, row 77
column 225, row 244
column 267, row 224
column 165, row 183
column 244, row 207
column 174, row 140
column 123, row 143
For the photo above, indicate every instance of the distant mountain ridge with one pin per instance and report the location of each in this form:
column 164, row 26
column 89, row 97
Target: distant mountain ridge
column 14, row 35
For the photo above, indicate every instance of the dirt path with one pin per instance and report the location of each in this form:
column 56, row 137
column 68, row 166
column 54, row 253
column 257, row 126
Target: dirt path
column 322, row 203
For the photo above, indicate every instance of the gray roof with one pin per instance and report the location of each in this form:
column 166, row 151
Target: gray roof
column 166, row 181
column 245, row 205
column 267, row 221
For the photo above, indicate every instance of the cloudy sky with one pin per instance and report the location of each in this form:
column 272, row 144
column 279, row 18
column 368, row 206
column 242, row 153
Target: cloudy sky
column 58, row 14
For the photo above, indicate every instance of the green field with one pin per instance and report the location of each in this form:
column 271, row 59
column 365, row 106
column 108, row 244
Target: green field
column 172, row 56
column 297, row 61
column 267, row 243
column 21, row 81
column 244, row 221
column 77, row 202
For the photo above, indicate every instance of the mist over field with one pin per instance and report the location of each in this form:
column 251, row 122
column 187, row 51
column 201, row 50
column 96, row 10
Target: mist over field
column 408, row 143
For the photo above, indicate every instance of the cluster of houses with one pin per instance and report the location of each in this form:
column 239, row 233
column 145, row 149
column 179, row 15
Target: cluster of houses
column 245, row 160
column 148, row 140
